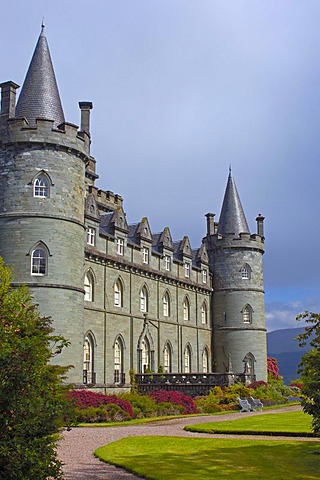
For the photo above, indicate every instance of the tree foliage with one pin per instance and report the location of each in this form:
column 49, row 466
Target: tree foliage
column 33, row 399
column 310, row 367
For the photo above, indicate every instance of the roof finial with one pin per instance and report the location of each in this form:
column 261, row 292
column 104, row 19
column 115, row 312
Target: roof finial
column 42, row 25
column 230, row 169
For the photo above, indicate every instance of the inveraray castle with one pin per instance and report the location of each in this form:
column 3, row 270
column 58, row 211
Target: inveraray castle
column 130, row 300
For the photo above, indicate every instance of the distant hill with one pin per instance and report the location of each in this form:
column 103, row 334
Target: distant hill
column 281, row 344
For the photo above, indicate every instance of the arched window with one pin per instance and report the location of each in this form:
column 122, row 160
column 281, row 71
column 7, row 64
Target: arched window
column 145, row 355
column 167, row 358
column 118, row 362
column 247, row 314
column 187, row 359
column 205, row 361
column 204, row 313
column 186, row 309
column 41, row 186
column 249, row 364
column 143, row 300
column 246, row 272
column 118, row 294
column 88, row 371
column 88, row 287
column 39, row 261
column 166, row 305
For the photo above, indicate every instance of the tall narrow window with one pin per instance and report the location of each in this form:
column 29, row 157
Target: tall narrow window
column 143, row 300
column 187, row 360
column 166, row 305
column 41, row 187
column 120, row 246
column 167, row 359
column 186, row 309
column 145, row 255
column 204, row 276
column 88, row 373
column 88, row 287
column 118, row 294
column 167, row 263
column 91, row 236
column 118, row 362
column 39, row 261
column 187, row 270
column 145, row 356
column 205, row 361
column 247, row 314
column 204, row 313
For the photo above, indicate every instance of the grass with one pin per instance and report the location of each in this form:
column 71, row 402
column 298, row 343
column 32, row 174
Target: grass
column 176, row 458
column 287, row 423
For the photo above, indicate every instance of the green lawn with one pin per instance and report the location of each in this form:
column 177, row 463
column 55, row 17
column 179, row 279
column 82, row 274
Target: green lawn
column 291, row 423
column 176, row 458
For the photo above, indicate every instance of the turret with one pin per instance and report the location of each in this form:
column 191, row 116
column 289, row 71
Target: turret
column 239, row 333
column 42, row 191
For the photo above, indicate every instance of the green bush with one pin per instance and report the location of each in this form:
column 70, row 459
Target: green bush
column 143, row 405
column 103, row 413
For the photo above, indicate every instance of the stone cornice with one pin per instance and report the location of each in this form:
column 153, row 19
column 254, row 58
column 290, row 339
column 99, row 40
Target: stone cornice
column 135, row 269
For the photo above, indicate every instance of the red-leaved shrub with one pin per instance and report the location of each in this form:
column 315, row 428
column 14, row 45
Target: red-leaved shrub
column 85, row 399
column 177, row 398
column 258, row 383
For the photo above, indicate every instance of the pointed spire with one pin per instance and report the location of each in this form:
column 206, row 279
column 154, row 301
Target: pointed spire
column 232, row 218
column 39, row 97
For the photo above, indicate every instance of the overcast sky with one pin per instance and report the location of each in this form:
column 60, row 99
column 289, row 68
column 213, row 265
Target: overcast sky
column 182, row 89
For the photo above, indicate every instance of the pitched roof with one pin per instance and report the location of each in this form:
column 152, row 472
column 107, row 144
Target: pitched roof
column 232, row 217
column 39, row 97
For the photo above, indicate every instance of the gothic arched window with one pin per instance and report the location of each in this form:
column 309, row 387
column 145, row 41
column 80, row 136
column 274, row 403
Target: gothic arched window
column 205, row 361
column 187, row 359
column 118, row 294
column 204, row 313
column 118, row 361
column 247, row 314
column 143, row 300
column 88, row 351
column 88, row 287
column 246, row 272
column 186, row 309
column 167, row 357
column 39, row 261
column 41, row 186
column 166, row 305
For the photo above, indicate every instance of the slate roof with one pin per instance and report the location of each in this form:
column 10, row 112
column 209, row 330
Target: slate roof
column 232, row 219
column 39, row 97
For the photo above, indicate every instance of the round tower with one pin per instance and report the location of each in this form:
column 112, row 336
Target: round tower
column 239, row 333
column 42, row 165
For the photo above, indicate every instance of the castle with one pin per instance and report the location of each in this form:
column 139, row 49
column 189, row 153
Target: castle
column 128, row 299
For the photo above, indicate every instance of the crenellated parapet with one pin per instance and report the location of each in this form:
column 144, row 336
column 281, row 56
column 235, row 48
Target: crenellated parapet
column 106, row 199
column 243, row 241
column 66, row 137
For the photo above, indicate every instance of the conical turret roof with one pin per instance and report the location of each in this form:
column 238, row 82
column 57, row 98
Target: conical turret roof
column 39, row 97
column 232, row 217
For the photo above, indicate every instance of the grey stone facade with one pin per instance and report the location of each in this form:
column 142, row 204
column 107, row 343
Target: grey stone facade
column 129, row 300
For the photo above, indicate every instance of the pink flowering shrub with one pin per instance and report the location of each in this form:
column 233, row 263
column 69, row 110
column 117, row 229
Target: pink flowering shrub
column 84, row 399
column 176, row 398
column 273, row 367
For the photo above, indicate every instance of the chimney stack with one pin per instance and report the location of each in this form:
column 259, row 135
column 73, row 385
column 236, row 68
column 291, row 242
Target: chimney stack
column 85, row 108
column 8, row 98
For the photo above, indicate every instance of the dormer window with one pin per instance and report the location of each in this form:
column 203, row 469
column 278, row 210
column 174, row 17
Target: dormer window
column 41, row 186
column 204, row 276
column 91, row 236
column 145, row 255
column 167, row 263
column 187, row 270
column 120, row 246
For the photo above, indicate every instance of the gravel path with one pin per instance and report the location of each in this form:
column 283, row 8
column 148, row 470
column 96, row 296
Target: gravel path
column 77, row 446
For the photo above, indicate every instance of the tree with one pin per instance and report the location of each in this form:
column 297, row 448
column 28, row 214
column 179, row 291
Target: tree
column 33, row 398
column 310, row 367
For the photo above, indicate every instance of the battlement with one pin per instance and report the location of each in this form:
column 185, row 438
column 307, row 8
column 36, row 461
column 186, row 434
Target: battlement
column 105, row 199
column 244, row 240
column 67, row 135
